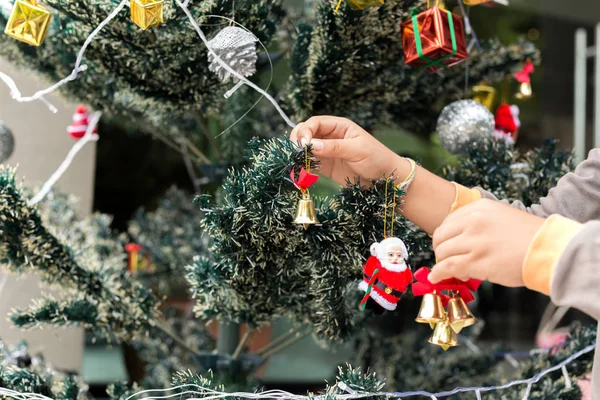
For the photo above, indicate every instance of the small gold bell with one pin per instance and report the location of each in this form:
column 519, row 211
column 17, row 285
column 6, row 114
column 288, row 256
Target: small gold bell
column 305, row 213
column 432, row 310
column 459, row 315
column 444, row 336
column 525, row 91
column 485, row 95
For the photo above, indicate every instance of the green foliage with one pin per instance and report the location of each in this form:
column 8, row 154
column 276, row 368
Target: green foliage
column 546, row 166
column 99, row 294
column 262, row 265
column 366, row 46
column 77, row 311
column 494, row 166
column 170, row 234
column 409, row 365
column 22, row 373
column 159, row 78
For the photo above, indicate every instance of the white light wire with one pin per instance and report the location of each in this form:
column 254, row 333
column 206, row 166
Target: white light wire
column 16, row 94
column 210, row 394
column 89, row 136
column 231, row 70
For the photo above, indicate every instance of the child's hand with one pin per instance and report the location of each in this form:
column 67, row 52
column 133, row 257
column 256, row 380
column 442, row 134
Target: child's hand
column 484, row 240
column 345, row 150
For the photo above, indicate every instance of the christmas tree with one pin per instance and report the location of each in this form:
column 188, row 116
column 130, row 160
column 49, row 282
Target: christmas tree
column 243, row 258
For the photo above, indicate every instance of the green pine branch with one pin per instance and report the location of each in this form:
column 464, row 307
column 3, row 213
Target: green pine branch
column 366, row 46
column 262, row 265
column 102, row 288
column 159, row 78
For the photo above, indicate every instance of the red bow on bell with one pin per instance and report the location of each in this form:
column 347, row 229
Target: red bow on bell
column 422, row 286
column 305, row 179
column 524, row 76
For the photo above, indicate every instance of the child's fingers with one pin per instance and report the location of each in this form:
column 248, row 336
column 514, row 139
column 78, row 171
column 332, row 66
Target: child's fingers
column 345, row 149
column 456, row 246
column 294, row 134
column 320, row 127
column 450, row 228
column 453, row 267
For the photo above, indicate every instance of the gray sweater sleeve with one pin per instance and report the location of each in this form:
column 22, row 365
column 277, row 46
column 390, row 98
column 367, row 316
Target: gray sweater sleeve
column 576, row 276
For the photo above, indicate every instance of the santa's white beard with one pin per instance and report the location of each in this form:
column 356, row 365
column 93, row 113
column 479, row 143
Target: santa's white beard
column 393, row 267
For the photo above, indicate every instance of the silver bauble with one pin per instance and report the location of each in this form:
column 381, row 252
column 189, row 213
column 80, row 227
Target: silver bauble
column 463, row 123
column 237, row 48
column 7, row 142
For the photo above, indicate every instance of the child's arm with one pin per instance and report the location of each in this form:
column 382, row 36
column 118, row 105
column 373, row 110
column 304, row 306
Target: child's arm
column 346, row 151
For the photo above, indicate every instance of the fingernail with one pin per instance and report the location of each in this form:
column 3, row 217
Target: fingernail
column 317, row 145
column 303, row 141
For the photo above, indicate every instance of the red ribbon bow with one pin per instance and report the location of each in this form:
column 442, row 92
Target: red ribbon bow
column 464, row 288
column 305, row 179
column 524, row 76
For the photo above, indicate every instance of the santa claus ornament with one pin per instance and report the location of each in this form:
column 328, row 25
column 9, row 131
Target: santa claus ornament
column 386, row 275
column 507, row 123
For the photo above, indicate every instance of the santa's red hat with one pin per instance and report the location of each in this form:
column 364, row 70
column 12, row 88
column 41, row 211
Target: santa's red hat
column 80, row 123
column 507, row 122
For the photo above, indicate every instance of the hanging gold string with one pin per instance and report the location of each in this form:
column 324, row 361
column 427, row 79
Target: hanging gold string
column 338, row 6
column 385, row 205
column 306, row 160
column 307, row 167
column 393, row 212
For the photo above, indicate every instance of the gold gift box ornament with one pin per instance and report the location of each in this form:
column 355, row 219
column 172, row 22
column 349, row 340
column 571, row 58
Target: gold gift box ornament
column 146, row 13
column 28, row 22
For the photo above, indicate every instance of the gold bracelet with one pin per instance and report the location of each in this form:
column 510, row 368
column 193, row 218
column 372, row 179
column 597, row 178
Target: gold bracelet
column 411, row 176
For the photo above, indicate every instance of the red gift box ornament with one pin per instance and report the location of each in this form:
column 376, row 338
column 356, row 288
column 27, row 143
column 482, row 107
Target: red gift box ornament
column 305, row 211
column 433, row 39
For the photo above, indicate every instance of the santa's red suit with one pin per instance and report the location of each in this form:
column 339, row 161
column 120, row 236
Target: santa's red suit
column 507, row 123
column 392, row 279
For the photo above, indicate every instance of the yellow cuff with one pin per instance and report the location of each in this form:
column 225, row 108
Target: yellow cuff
column 464, row 196
column 547, row 246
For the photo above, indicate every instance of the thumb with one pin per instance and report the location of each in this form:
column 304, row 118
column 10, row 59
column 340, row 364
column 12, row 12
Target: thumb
column 335, row 148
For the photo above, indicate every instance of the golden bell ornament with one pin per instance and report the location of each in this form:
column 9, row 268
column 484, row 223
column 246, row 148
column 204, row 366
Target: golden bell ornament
column 485, row 95
column 459, row 315
column 444, row 336
column 305, row 213
column 432, row 310
column 28, row 22
column 525, row 91
column 147, row 13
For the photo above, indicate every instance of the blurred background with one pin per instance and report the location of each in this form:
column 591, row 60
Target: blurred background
column 118, row 174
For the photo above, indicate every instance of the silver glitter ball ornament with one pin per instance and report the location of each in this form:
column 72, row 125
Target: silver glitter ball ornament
column 7, row 142
column 237, row 48
column 463, row 123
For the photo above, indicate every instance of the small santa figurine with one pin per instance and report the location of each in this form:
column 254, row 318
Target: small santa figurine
column 507, row 123
column 387, row 274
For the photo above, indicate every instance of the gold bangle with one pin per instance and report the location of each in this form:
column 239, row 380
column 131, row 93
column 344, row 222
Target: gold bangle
column 411, row 175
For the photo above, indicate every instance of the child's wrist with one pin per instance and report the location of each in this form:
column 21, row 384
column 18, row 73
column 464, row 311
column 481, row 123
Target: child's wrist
column 402, row 169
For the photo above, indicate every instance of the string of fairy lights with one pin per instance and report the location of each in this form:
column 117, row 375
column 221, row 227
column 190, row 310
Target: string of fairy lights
column 203, row 393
